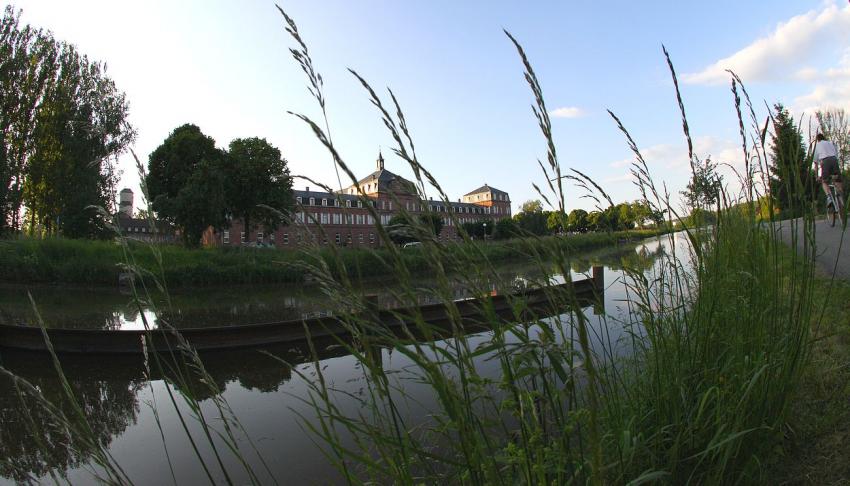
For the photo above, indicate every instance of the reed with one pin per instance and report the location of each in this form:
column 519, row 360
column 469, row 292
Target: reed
column 718, row 338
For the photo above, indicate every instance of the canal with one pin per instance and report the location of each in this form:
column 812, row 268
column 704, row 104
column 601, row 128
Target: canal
column 127, row 401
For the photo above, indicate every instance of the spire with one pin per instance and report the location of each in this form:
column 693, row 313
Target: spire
column 380, row 160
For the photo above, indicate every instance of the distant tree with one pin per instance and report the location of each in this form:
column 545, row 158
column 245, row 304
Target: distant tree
column 531, row 218
column 179, row 171
column 792, row 184
column 477, row 229
column 703, row 190
column 595, row 221
column 835, row 125
column 577, row 221
column 641, row 213
column 505, row 228
column 556, row 222
column 432, row 221
column 400, row 230
column 625, row 216
column 532, row 206
column 257, row 176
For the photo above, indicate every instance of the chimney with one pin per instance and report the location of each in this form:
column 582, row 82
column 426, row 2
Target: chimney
column 307, row 188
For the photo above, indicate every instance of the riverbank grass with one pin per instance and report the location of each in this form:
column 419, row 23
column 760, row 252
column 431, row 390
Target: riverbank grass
column 65, row 261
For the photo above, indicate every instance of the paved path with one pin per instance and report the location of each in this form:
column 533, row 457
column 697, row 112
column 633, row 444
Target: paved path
column 832, row 245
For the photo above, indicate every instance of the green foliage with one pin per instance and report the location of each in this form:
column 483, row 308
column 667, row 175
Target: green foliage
column 64, row 122
column 703, row 190
column 60, row 260
column 792, row 184
column 505, row 228
column 578, row 221
column 257, row 176
column 186, row 184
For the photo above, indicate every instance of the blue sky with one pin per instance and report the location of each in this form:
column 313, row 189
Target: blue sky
column 225, row 67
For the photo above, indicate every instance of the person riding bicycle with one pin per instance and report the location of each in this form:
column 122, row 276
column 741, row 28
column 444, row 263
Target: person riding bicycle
column 826, row 155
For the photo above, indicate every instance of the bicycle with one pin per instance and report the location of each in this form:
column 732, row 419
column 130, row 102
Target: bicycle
column 834, row 204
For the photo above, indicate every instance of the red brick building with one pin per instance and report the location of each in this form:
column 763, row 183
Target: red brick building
column 341, row 217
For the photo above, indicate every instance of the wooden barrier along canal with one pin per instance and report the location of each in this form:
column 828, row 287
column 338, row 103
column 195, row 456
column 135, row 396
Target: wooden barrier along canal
column 475, row 313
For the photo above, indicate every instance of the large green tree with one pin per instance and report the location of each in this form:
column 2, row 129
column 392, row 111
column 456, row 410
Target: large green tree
column 792, row 183
column 257, row 176
column 186, row 182
column 532, row 219
column 62, row 124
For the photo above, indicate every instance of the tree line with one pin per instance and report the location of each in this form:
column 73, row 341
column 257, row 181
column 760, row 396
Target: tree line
column 194, row 185
column 63, row 123
column 532, row 219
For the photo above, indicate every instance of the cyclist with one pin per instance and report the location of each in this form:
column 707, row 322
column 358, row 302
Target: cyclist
column 826, row 156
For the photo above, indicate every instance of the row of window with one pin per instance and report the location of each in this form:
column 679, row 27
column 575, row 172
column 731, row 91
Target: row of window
column 225, row 238
column 410, row 206
column 486, row 197
column 141, row 229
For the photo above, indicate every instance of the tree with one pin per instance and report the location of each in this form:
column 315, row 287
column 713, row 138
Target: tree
column 556, row 222
column 432, row 221
column 835, row 126
column 792, row 182
column 63, row 122
column 257, row 176
column 531, row 218
column 478, row 229
column 400, row 230
column 186, row 182
column 703, row 190
column 505, row 228
column 577, row 221
column 532, row 206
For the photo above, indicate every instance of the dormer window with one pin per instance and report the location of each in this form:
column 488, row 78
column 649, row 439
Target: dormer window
column 324, row 202
column 312, row 201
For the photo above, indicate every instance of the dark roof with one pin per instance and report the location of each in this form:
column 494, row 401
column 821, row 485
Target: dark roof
column 126, row 223
column 485, row 188
column 385, row 179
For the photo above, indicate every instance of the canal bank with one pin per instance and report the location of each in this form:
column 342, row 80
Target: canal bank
column 99, row 263
column 815, row 450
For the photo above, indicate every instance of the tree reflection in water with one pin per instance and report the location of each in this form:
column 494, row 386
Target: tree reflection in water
column 34, row 445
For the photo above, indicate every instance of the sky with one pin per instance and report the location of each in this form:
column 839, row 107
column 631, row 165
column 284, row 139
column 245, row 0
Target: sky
column 225, row 66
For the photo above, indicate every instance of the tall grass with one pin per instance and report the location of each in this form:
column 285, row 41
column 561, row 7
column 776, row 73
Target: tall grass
column 718, row 337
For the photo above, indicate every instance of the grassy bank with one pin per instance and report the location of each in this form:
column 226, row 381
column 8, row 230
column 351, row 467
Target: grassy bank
column 815, row 450
column 59, row 261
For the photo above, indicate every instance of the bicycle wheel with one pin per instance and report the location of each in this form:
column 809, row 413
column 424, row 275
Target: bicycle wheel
column 830, row 214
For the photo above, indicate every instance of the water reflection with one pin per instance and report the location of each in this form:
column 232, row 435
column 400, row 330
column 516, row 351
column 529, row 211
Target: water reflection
column 113, row 391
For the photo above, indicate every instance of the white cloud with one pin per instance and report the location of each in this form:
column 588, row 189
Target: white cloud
column 567, row 112
column 787, row 48
column 832, row 88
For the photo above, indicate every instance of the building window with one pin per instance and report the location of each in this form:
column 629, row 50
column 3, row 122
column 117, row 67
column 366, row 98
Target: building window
column 286, row 238
column 348, row 203
column 242, row 237
column 260, row 237
column 372, row 238
column 348, row 239
column 360, row 238
column 390, row 203
column 324, row 201
column 359, row 204
column 324, row 218
column 271, row 238
column 225, row 237
column 312, row 201
column 337, row 238
column 298, row 199
column 336, row 218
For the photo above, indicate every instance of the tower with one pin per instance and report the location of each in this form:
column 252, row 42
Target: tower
column 380, row 160
column 125, row 203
